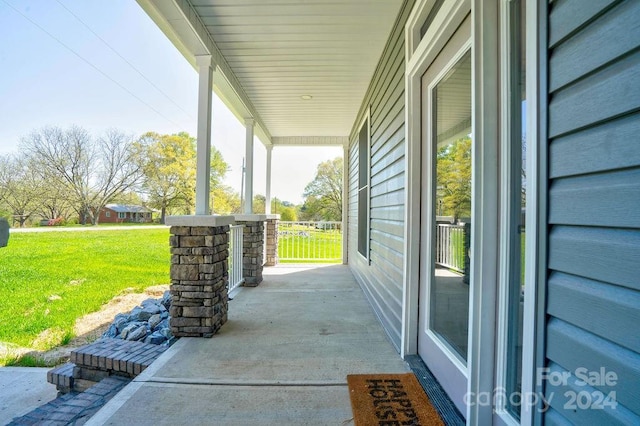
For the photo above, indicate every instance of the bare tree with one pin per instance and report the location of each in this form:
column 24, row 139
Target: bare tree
column 92, row 171
column 20, row 187
column 120, row 170
column 64, row 159
column 4, row 172
column 55, row 202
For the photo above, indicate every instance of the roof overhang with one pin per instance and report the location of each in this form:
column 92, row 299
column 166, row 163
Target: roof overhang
column 299, row 69
column 179, row 22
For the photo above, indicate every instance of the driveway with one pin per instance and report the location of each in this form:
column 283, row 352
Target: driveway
column 82, row 228
column 23, row 389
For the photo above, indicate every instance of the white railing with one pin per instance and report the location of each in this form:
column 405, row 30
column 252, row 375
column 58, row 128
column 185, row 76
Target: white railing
column 235, row 256
column 450, row 246
column 301, row 242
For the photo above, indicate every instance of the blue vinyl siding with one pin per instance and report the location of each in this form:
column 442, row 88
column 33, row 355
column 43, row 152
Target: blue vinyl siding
column 593, row 276
column 381, row 278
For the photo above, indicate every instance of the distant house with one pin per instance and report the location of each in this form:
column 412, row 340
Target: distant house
column 121, row 213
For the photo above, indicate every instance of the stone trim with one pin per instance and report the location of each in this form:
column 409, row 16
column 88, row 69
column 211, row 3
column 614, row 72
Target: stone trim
column 199, row 220
column 199, row 280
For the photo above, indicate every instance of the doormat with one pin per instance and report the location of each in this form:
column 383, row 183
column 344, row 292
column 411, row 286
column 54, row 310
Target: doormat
column 390, row 399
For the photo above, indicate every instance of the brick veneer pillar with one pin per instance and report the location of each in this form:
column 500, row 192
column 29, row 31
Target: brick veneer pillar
column 252, row 252
column 199, row 278
column 272, row 242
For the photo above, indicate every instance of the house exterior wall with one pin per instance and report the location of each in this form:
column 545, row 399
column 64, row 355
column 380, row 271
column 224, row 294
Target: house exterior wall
column 129, row 217
column 592, row 191
column 593, row 274
column 381, row 277
column 111, row 218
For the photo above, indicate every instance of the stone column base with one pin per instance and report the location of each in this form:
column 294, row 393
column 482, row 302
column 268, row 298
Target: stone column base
column 272, row 242
column 252, row 252
column 199, row 279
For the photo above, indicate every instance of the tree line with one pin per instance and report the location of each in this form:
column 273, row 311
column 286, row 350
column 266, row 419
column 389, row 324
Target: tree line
column 68, row 175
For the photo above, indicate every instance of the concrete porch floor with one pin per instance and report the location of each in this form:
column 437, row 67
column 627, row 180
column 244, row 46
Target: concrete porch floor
column 282, row 358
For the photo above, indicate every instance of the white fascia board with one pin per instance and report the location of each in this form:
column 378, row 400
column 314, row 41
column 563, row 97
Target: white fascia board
column 169, row 18
column 310, row 140
column 183, row 27
column 255, row 217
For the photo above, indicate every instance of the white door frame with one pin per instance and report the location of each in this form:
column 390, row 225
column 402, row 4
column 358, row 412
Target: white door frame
column 419, row 55
column 439, row 356
column 484, row 244
column 533, row 345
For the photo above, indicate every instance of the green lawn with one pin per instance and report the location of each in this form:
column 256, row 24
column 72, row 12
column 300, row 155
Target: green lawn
column 457, row 247
column 303, row 244
column 49, row 279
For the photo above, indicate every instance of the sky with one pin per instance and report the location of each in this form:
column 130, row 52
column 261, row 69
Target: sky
column 102, row 65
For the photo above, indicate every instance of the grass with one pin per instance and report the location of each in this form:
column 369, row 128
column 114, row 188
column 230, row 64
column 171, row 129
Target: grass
column 457, row 244
column 49, row 279
column 302, row 244
column 24, row 361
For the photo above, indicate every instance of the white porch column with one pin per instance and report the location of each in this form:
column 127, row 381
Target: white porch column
column 248, row 186
column 203, row 164
column 267, row 201
column 345, row 204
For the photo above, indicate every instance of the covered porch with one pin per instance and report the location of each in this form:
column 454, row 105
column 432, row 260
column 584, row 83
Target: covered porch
column 281, row 358
column 294, row 74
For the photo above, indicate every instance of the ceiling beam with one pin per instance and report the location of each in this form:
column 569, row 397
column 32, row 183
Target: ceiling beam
column 310, row 140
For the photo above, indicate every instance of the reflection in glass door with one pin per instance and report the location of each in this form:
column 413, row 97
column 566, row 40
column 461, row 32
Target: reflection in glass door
column 446, row 214
column 451, row 136
column 515, row 215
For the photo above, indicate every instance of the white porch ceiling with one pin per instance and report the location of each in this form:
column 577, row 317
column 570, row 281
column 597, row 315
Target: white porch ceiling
column 272, row 52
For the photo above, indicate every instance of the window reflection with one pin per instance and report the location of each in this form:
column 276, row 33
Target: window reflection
column 452, row 222
column 517, row 202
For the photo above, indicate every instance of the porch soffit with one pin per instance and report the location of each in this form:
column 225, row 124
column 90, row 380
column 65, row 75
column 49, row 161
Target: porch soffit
column 271, row 52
